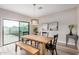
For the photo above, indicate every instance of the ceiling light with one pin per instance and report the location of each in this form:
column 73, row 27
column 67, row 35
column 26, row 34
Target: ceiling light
column 34, row 21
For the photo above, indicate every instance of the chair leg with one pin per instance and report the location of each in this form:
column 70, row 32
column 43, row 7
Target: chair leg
column 26, row 42
column 52, row 52
column 31, row 42
column 56, row 51
column 35, row 44
column 22, row 40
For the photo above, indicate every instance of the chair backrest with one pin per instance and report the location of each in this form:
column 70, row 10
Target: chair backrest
column 45, row 34
column 49, row 45
column 55, row 40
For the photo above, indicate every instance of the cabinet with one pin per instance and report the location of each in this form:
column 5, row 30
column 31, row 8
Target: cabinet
column 74, row 36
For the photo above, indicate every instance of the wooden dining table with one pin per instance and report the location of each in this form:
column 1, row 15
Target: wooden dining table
column 37, row 38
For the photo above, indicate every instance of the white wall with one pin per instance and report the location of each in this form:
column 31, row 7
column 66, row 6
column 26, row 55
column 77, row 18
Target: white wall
column 5, row 14
column 78, row 23
column 64, row 18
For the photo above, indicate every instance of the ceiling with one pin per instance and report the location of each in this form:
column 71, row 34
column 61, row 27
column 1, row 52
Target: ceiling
column 37, row 11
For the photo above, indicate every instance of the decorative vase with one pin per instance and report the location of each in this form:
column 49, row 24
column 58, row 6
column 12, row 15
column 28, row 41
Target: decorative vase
column 70, row 28
column 71, row 32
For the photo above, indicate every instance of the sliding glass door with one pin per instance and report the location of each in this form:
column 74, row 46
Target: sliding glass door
column 13, row 30
column 24, row 28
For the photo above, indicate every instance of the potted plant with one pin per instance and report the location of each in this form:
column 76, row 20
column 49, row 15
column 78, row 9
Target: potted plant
column 71, row 26
column 35, row 30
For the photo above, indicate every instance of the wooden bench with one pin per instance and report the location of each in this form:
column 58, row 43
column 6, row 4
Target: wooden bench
column 27, row 48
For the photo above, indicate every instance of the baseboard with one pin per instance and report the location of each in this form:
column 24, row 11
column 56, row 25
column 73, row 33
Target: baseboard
column 64, row 43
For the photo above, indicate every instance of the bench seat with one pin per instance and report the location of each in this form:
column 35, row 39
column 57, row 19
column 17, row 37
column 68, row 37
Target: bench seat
column 27, row 48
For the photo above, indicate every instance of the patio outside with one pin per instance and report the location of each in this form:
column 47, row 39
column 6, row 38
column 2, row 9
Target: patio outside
column 13, row 30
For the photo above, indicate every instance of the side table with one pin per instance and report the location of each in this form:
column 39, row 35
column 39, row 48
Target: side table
column 73, row 36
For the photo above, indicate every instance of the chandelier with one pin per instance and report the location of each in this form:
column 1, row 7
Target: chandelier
column 34, row 21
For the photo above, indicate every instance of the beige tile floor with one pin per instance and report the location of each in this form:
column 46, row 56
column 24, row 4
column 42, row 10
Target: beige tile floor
column 61, row 49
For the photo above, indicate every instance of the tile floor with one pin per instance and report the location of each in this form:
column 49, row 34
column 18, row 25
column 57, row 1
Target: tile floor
column 61, row 49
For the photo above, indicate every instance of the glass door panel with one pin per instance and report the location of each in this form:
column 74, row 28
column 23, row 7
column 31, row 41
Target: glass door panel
column 11, row 31
column 24, row 28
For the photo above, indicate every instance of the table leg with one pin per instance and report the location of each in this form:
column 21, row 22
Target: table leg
column 33, row 43
column 43, row 50
column 66, row 40
column 76, row 43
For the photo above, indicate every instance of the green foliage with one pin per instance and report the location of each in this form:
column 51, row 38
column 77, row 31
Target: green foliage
column 35, row 30
column 15, row 30
column 71, row 27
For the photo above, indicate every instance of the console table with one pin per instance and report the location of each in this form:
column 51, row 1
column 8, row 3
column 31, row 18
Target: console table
column 73, row 36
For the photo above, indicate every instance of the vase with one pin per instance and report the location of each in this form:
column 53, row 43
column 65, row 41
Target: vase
column 71, row 32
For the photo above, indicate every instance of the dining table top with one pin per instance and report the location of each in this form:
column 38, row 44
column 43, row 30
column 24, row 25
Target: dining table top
column 38, row 38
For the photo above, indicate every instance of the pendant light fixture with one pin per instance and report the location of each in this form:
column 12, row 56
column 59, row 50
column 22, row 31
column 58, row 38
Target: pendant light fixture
column 34, row 21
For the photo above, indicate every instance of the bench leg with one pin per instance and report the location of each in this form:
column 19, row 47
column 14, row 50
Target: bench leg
column 16, row 48
column 20, row 48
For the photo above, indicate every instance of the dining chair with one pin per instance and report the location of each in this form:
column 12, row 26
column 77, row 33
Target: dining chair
column 52, row 45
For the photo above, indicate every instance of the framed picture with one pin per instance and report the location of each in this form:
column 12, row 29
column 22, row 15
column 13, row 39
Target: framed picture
column 44, row 27
column 53, row 26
